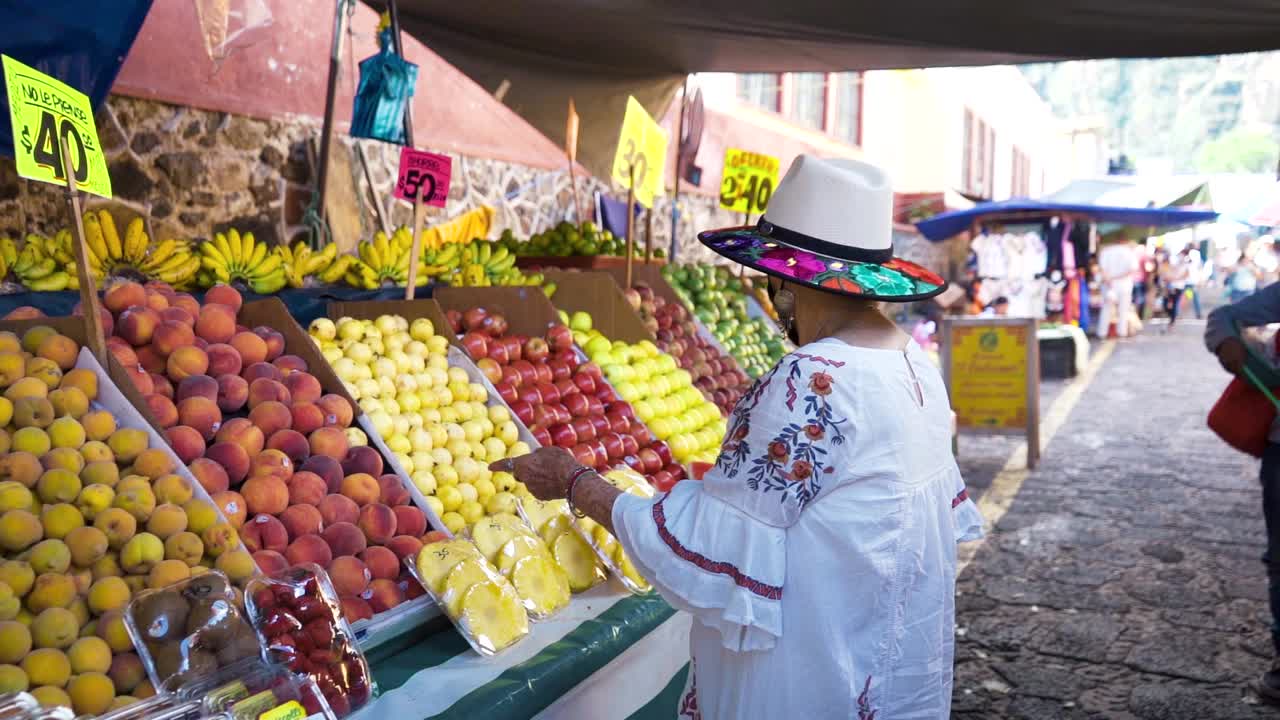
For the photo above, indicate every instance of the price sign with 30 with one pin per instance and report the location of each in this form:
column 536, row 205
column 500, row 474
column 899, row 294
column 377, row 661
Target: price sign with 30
column 748, row 181
column 46, row 114
column 642, row 149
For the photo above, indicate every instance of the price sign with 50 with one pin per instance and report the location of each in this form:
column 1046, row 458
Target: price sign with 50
column 425, row 173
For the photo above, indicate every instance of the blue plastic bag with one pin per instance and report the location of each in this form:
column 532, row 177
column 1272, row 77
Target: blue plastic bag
column 386, row 85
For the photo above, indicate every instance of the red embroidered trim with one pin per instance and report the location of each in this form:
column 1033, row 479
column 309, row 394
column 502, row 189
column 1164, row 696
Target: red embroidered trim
column 819, row 359
column 865, row 712
column 689, row 705
column 770, row 592
column 961, row 497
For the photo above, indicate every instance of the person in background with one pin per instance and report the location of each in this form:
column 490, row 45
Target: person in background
column 1195, row 277
column 1118, row 263
column 817, row 558
column 998, row 307
column 1242, row 282
column 1222, row 338
column 1173, row 275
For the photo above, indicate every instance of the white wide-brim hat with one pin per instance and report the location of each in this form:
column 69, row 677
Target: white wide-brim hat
column 829, row 225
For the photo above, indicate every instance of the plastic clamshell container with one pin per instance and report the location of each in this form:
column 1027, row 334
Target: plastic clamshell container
column 605, row 545
column 551, row 519
column 298, row 616
column 498, row 602
column 511, row 543
column 191, row 630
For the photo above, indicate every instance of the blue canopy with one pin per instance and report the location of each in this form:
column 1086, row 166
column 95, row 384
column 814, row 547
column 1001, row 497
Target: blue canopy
column 941, row 227
column 83, row 43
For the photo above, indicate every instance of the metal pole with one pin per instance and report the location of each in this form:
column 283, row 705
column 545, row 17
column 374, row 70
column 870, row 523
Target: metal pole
column 675, row 187
column 330, row 98
column 394, row 12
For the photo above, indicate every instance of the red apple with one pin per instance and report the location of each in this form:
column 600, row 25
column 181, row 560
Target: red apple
column 548, row 392
column 512, row 376
column 536, row 350
column 601, row 425
column 662, row 481
column 663, row 450
column 543, row 371
column 563, row 436
column 476, row 344
column 643, row 434
column 490, row 367
column 498, row 325
column 566, row 388
column 542, row 436
column 675, row 470
column 562, row 413
column 629, row 445
column 591, row 369
column 506, row 391
column 528, row 375
column 633, row 462
column 622, row 407
column 594, row 406
column 652, row 463
column 613, row 445
column 498, row 352
column 530, row 394
column 606, row 394
column 577, row 404
column 559, row 337
column 523, row 410
column 584, row 455
column 513, row 346
column 585, row 382
column 618, row 422
column 597, row 449
column 583, row 429
column 455, row 321
column 544, row 416
column 474, row 319
column 567, row 356
column 560, row 370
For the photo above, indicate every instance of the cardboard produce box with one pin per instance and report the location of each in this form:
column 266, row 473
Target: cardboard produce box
column 527, row 309
column 596, row 294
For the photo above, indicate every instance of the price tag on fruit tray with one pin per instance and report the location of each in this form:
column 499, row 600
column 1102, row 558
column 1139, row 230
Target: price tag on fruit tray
column 642, row 145
column 748, row 181
column 424, row 172
column 42, row 110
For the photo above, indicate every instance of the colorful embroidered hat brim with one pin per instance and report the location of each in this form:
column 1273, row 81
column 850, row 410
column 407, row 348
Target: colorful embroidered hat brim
column 894, row 280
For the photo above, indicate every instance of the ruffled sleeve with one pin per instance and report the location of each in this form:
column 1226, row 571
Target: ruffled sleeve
column 708, row 559
column 965, row 517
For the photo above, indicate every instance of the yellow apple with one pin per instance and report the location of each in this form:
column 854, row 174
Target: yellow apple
column 478, row 393
column 498, row 414
column 420, row 439
column 409, row 402
column 422, row 460
column 479, row 451
column 416, row 348
column 382, row 423
column 369, row 387
column 484, row 489
column 445, row 475
column 468, row 491
column 518, row 448
column 438, row 362
column 323, row 328
column 399, row 444
column 471, row 512
column 436, row 506
column 331, row 354
column 421, row 329
column 406, row 463
column 504, row 481
column 459, row 449
column 494, row 448
column 441, row 456
column 349, row 329
column 424, row 481
column 451, row 496
column 356, row 437
column 430, row 416
column 463, row 410
column 503, row 502
column 454, row 522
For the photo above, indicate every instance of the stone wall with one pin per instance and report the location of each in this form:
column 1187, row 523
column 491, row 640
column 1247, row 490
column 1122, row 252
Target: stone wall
column 197, row 172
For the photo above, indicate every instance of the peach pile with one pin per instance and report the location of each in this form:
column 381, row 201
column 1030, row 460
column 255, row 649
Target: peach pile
column 90, row 515
column 277, row 454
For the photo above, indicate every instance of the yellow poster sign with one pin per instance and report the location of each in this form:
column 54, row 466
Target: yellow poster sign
column 989, row 376
column 748, row 181
column 642, row 148
column 46, row 114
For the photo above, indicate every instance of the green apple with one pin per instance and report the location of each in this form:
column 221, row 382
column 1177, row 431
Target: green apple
column 580, row 321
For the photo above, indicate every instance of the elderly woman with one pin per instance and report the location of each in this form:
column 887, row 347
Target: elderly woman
column 818, row 556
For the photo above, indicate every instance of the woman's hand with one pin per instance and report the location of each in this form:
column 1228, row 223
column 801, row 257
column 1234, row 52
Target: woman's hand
column 544, row 471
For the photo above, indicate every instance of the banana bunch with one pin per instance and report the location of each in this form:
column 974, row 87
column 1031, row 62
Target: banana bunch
column 43, row 262
column 385, row 259
column 172, row 261
column 480, row 263
column 232, row 256
column 301, row 262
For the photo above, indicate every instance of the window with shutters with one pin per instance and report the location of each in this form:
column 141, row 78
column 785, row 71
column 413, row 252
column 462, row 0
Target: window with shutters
column 848, row 107
column 764, row 90
column 808, row 95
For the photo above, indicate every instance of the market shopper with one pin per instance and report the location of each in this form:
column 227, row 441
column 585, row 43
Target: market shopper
column 1261, row 308
column 1118, row 262
column 817, row 557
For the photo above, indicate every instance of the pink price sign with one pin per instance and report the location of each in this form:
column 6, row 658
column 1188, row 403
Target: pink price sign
column 426, row 173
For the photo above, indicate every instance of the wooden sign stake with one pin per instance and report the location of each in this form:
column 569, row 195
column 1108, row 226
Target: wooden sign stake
column 631, row 222
column 88, row 292
column 416, row 250
column 648, row 235
column 571, row 149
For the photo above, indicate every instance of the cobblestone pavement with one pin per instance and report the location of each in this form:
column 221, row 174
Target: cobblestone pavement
column 1124, row 582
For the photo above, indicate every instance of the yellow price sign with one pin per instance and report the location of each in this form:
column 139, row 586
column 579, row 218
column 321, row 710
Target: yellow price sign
column 642, row 146
column 748, row 181
column 44, row 111
column 989, row 380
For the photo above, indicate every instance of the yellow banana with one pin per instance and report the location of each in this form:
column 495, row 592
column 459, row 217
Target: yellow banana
column 50, row 282
column 267, row 266
column 258, row 254
column 114, row 249
column 158, row 256
column 135, row 241
column 8, row 251
column 337, row 269
column 223, row 246
column 246, row 248
column 44, row 268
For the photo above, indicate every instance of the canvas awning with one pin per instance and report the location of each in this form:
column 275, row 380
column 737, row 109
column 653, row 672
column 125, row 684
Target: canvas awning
column 599, row 53
column 946, row 225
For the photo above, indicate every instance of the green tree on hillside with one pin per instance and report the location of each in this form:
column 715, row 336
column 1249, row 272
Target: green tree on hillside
column 1238, row 151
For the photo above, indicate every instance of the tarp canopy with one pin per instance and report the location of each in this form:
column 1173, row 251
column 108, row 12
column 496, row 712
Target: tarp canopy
column 600, row 52
column 83, row 43
column 941, row 227
column 1181, row 191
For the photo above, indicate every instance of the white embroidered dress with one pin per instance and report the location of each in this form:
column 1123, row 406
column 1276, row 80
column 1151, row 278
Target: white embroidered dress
column 818, row 556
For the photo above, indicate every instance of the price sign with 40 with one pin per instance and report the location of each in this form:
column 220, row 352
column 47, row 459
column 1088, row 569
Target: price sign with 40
column 46, row 114
column 748, row 181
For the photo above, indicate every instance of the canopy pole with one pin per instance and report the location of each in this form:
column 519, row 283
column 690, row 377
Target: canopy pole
column 330, row 98
column 675, row 187
column 394, row 12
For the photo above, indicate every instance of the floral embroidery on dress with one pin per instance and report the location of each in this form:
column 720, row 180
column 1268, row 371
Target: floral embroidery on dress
column 793, row 463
